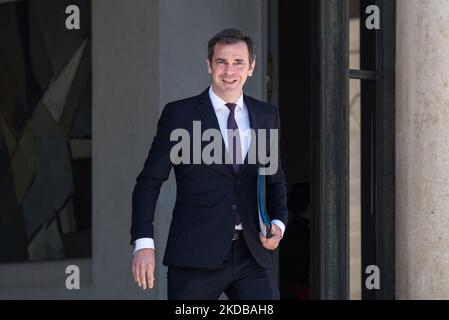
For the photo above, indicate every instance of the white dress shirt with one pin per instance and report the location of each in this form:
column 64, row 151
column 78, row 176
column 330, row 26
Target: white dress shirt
column 242, row 118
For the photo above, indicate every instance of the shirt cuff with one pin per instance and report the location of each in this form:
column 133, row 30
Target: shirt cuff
column 280, row 224
column 143, row 243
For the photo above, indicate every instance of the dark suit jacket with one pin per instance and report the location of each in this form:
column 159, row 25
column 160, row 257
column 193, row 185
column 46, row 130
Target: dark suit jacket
column 203, row 219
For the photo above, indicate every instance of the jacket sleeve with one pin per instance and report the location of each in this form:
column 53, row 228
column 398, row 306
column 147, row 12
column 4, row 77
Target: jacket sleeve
column 276, row 184
column 155, row 171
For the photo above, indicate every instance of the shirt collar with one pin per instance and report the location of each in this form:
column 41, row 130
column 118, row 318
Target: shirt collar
column 219, row 104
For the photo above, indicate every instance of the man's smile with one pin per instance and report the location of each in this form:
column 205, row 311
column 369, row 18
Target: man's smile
column 230, row 81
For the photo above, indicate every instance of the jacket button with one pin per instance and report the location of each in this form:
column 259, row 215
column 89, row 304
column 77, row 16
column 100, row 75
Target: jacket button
column 234, row 207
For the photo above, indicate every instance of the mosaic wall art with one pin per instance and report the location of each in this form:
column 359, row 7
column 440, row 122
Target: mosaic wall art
column 45, row 132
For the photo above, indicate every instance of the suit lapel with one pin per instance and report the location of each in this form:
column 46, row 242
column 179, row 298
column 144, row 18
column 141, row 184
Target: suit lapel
column 254, row 125
column 210, row 121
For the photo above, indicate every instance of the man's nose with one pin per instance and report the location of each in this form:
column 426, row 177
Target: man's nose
column 229, row 69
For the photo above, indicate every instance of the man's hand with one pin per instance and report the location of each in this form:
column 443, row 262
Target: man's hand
column 143, row 267
column 273, row 242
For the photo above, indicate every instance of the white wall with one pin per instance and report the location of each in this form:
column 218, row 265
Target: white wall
column 125, row 102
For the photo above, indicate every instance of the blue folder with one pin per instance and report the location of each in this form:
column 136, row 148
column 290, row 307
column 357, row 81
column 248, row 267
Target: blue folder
column 264, row 218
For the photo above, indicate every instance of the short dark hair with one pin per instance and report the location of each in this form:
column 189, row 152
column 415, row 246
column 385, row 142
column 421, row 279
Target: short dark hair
column 231, row 36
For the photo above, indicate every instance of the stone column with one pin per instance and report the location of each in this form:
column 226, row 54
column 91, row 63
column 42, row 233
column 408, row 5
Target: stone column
column 422, row 140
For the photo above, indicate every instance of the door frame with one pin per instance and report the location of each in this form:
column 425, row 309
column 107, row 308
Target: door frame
column 329, row 76
column 377, row 63
column 330, row 149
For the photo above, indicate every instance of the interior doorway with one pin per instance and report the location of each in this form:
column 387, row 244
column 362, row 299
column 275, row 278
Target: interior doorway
column 309, row 72
column 289, row 88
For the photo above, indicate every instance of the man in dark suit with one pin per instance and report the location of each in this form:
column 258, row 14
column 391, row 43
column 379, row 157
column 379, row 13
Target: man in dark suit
column 214, row 244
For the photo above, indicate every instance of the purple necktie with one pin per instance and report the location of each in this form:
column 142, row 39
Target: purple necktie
column 234, row 139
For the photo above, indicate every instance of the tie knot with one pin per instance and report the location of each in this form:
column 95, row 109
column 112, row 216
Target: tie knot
column 231, row 106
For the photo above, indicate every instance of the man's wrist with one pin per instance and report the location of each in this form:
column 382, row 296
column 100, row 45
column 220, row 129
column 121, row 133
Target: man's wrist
column 143, row 243
column 280, row 224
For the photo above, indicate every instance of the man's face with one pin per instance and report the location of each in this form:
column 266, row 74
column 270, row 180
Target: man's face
column 230, row 68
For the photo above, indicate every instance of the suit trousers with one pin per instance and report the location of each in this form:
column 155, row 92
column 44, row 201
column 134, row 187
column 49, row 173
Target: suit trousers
column 240, row 278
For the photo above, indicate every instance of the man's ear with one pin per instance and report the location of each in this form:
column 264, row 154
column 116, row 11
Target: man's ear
column 209, row 68
column 251, row 68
